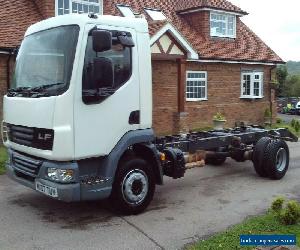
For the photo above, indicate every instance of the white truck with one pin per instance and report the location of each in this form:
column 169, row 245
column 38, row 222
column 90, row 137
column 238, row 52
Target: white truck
column 77, row 120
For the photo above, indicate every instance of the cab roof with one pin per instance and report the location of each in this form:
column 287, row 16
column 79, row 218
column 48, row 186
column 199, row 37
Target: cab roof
column 138, row 24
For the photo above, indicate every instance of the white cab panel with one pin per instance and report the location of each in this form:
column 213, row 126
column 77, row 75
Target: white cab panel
column 99, row 127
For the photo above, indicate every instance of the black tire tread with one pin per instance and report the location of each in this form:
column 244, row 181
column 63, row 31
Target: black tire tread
column 116, row 197
column 258, row 156
column 270, row 159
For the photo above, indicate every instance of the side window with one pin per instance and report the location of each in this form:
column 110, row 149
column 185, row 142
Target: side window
column 120, row 58
column 252, row 85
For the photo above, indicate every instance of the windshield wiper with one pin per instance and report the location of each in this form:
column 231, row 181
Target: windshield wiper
column 38, row 91
column 19, row 90
column 47, row 86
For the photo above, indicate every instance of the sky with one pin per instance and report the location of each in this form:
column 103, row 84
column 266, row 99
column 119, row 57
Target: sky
column 276, row 22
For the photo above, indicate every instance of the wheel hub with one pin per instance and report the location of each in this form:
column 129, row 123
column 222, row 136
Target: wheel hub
column 281, row 159
column 135, row 187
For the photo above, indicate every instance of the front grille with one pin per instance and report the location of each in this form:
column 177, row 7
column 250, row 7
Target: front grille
column 25, row 166
column 21, row 135
column 39, row 138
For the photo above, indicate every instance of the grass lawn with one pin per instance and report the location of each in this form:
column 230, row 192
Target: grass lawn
column 3, row 158
column 230, row 239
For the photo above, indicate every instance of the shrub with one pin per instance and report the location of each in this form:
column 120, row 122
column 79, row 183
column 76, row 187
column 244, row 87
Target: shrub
column 268, row 113
column 293, row 122
column 219, row 117
column 279, row 120
column 297, row 126
column 291, row 214
column 277, row 204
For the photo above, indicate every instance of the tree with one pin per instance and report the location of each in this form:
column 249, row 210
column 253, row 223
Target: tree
column 281, row 75
column 292, row 86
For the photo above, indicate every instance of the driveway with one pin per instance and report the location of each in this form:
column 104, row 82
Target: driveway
column 206, row 201
column 288, row 118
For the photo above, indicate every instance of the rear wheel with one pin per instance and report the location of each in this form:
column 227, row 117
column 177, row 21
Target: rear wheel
column 134, row 187
column 258, row 156
column 277, row 159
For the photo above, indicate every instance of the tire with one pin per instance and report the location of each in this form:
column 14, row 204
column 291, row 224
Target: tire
column 216, row 161
column 258, row 156
column 133, row 188
column 277, row 158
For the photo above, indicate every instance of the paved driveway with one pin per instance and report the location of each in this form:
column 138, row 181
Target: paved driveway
column 207, row 200
column 288, row 118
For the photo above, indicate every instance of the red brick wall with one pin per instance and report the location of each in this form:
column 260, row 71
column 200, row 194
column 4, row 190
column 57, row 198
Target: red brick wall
column 165, row 82
column 224, row 89
column 3, row 78
column 201, row 22
column 46, row 7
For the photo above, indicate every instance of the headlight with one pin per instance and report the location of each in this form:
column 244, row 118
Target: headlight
column 63, row 175
column 4, row 132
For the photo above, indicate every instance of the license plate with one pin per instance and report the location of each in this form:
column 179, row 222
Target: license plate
column 50, row 191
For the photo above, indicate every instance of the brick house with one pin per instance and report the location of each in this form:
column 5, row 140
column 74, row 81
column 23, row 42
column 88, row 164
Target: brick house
column 205, row 59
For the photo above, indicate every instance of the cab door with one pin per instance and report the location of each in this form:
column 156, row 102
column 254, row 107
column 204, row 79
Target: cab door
column 102, row 121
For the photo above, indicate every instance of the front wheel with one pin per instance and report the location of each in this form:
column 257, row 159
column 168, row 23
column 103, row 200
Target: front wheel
column 134, row 187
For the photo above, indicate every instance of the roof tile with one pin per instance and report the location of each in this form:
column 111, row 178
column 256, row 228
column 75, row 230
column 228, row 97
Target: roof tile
column 246, row 47
column 215, row 4
column 17, row 16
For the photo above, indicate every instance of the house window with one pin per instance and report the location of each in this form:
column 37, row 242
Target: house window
column 222, row 25
column 156, row 15
column 252, row 85
column 79, row 6
column 126, row 10
column 196, row 86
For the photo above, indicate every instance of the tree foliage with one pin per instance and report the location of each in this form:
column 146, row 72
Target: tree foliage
column 281, row 75
column 288, row 85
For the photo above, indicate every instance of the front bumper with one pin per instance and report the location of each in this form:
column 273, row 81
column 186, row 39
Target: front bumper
column 80, row 190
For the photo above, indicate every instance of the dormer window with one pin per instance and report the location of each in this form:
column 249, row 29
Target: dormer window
column 78, row 6
column 222, row 25
column 156, row 15
column 125, row 10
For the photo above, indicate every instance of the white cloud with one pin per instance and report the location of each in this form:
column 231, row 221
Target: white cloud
column 276, row 22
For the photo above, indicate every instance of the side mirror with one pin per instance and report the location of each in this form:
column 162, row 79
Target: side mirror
column 102, row 40
column 99, row 78
column 103, row 73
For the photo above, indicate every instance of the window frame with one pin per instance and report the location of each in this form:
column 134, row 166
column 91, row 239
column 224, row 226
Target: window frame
column 119, row 86
column 119, row 6
column 196, row 79
column 80, row 2
column 252, row 75
column 149, row 12
column 227, row 15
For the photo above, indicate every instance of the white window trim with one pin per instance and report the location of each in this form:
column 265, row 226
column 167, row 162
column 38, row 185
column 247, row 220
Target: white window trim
column 78, row 1
column 149, row 11
column 252, row 80
column 120, row 6
column 200, row 79
column 225, row 14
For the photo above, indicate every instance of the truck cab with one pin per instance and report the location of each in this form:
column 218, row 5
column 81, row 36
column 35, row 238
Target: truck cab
column 78, row 118
column 80, row 98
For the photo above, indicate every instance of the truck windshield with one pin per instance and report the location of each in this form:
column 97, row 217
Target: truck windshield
column 45, row 62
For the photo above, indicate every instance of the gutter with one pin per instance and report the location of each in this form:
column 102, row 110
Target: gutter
column 271, row 106
column 236, row 62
